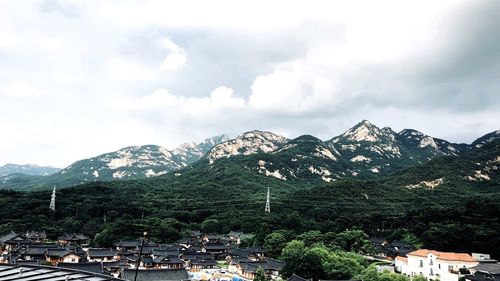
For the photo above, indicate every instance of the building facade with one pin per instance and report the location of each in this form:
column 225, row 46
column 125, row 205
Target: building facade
column 435, row 265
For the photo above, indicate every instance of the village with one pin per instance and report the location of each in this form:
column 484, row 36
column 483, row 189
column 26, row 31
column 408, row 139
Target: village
column 210, row 257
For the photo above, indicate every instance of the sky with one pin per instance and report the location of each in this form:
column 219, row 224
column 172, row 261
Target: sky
column 82, row 78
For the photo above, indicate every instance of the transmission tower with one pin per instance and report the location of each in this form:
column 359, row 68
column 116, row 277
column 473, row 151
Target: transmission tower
column 268, row 203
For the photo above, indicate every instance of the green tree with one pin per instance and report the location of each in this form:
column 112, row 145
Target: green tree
column 311, row 237
column 292, row 255
column 260, row 275
column 211, row 226
column 354, row 241
column 274, row 243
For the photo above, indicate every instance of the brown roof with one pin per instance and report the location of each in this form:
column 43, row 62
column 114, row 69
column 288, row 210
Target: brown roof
column 403, row 259
column 447, row 256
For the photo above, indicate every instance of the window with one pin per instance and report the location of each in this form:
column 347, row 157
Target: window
column 431, row 262
column 431, row 272
column 421, row 263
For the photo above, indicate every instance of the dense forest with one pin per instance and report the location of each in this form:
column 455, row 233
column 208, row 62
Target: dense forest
column 458, row 215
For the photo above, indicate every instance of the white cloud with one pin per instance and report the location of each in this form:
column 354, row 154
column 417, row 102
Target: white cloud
column 161, row 100
column 293, row 90
column 295, row 67
column 176, row 57
column 124, row 70
column 21, row 89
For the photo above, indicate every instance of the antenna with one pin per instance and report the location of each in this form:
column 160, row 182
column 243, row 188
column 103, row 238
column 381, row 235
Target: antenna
column 268, row 203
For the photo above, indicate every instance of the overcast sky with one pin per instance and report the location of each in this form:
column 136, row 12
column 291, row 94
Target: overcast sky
column 81, row 78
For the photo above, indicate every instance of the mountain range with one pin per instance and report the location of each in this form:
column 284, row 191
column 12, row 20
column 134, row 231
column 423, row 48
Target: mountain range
column 27, row 169
column 364, row 151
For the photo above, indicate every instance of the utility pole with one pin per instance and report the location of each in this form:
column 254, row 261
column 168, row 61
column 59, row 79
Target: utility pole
column 268, row 203
column 140, row 254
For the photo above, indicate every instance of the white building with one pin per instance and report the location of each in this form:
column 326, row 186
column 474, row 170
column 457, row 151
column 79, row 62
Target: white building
column 434, row 265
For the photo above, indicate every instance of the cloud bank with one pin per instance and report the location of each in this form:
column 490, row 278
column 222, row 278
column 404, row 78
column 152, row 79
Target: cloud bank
column 83, row 78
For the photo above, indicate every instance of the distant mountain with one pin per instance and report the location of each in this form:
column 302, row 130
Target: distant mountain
column 139, row 161
column 362, row 152
column 27, row 169
column 248, row 143
column 134, row 162
column 486, row 139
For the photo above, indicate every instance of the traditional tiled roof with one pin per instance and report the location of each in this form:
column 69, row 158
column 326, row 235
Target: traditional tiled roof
column 168, row 260
column 161, row 252
column 155, row 274
column 58, row 252
column 100, row 252
column 38, row 250
column 39, row 273
column 35, row 235
column 267, row 264
column 491, row 268
column 95, row 267
column 204, row 262
column 8, row 236
column 448, row 256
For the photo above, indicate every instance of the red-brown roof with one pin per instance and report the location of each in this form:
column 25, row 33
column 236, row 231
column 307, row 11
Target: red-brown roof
column 403, row 259
column 448, row 256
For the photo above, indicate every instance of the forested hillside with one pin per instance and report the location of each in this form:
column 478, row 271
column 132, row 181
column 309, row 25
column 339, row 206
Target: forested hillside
column 457, row 213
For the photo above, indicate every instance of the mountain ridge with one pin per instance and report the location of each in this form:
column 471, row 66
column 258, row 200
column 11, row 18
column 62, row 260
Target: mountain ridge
column 364, row 151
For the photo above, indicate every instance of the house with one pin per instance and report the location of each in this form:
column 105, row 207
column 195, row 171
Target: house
column 95, row 267
column 29, row 272
column 57, row 255
column 216, row 248
column 36, row 252
column 398, row 248
column 380, row 245
column 36, row 236
column 235, row 237
column 155, row 274
column 253, row 254
column 168, row 262
column 100, row 254
column 4, row 247
column 126, row 245
column 271, row 267
column 445, row 266
column 76, row 238
column 484, row 272
column 199, row 264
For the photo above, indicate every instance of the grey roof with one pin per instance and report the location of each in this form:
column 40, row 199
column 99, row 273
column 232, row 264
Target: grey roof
column 47, row 273
column 163, row 252
column 155, row 274
column 35, row 234
column 492, row 268
column 8, row 236
column 37, row 251
column 267, row 264
column 100, row 252
column 95, row 267
column 58, row 252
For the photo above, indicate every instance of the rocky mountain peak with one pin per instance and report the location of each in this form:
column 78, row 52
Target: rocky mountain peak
column 251, row 142
column 363, row 131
